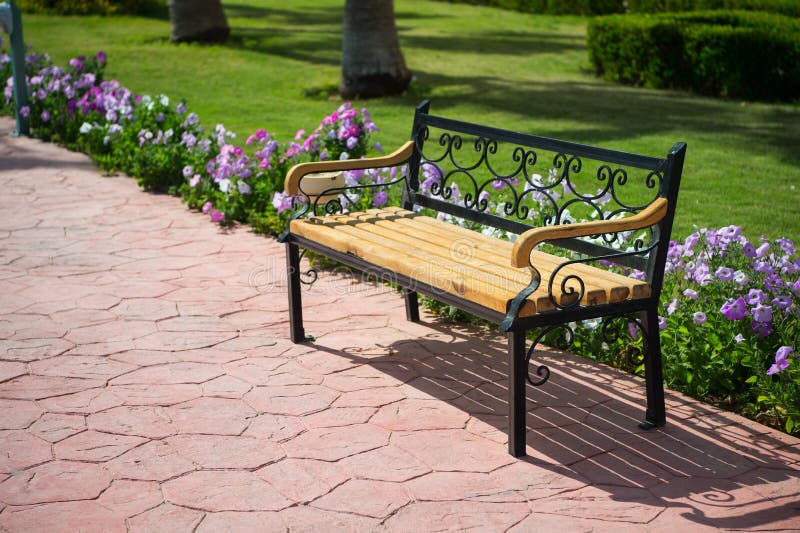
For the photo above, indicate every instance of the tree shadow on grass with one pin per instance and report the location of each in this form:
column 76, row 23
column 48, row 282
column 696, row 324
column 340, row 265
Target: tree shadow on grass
column 610, row 112
column 710, row 467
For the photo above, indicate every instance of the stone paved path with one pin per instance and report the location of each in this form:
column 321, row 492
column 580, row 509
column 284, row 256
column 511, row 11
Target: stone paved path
column 147, row 384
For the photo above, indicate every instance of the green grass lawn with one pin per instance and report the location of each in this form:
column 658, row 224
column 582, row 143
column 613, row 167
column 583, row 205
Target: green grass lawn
column 521, row 72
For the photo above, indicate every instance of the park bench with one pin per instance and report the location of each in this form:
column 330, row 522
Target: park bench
column 514, row 228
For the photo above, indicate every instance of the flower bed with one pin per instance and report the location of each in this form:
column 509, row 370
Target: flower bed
column 731, row 319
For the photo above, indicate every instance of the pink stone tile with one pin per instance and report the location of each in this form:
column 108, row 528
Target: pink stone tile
column 275, row 428
column 622, row 467
column 241, row 522
column 80, row 366
column 145, row 357
column 86, row 402
column 218, row 294
column 118, row 330
column 303, row 480
column 375, row 375
column 63, row 517
column 75, row 318
column 224, row 491
column 339, row 416
column 545, row 522
column 226, row 387
column 293, row 400
column 255, row 343
column 226, row 452
column 181, row 340
column 457, row 516
column 377, row 499
column 128, row 498
column 11, row 369
column 613, row 504
column 308, row 519
column 154, row 461
column 453, row 450
column 209, row 355
column 369, row 397
column 21, row 450
column 255, row 370
column 145, row 309
column 54, row 427
column 326, row 363
column 388, row 463
column 42, row 387
column 93, row 446
column 146, row 394
column 181, row 372
column 212, row 416
column 55, row 481
column 166, row 518
column 18, row 414
column 33, row 349
column 451, row 486
column 331, row 444
column 152, row 422
column 420, row 414
column 538, row 482
column 98, row 301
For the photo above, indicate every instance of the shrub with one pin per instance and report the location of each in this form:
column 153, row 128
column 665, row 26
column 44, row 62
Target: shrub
column 784, row 7
column 737, row 54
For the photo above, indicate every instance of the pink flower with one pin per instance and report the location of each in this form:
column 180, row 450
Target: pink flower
column 207, row 207
column 216, row 216
column 194, row 181
column 299, row 135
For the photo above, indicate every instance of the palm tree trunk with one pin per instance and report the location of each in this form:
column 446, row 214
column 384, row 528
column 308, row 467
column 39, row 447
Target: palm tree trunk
column 198, row 21
column 372, row 63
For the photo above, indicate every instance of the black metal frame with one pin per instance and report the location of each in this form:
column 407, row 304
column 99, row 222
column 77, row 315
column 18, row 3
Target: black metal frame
column 663, row 173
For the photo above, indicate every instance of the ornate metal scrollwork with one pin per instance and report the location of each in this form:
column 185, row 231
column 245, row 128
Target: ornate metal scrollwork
column 309, row 276
column 633, row 354
column 525, row 193
column 543, row 371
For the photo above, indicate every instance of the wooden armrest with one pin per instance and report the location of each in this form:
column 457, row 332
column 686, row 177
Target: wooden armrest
column 526, row 242
column 291, row 184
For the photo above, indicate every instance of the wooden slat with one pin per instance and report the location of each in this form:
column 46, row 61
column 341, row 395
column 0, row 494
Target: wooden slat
column 442, row 245
column 622, row 287
column 407, row 265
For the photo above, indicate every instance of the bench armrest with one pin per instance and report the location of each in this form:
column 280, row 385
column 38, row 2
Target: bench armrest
column 291, row 184
column 527, row 241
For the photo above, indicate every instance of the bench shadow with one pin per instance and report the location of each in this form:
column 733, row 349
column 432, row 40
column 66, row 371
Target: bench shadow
column 706, row 464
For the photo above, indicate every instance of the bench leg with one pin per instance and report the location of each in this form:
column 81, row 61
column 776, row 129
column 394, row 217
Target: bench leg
column 412, row 305
column 295, row 301
column 517, row 427
column 654, row 380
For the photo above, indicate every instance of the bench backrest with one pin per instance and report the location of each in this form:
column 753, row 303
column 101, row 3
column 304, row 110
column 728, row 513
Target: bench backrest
column 512, row 182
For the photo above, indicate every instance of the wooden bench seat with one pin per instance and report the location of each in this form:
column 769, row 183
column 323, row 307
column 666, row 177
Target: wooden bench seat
column 457, row 260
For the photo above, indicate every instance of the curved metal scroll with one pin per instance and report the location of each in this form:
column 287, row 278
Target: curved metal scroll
column 633, row 354
column 543, row 371
column 309, row 276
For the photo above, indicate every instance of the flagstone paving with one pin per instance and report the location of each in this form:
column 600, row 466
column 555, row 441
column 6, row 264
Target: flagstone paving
column 147, row 383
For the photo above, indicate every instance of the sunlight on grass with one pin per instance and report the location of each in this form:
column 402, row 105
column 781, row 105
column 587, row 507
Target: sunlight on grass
column 515, row 71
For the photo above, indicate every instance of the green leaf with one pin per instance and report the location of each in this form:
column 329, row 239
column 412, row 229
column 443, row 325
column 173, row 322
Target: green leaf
column 789, row 424
column 751, row 379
